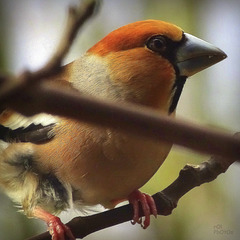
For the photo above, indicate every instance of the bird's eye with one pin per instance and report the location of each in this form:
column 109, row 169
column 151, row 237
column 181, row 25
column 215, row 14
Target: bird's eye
column 157, row 44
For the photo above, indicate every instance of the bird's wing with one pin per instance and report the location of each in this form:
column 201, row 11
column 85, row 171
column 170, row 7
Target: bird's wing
column 15, row 127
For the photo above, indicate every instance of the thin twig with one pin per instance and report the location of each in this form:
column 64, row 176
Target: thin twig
column 189, row 177
column 11, row 86
column 77, row 16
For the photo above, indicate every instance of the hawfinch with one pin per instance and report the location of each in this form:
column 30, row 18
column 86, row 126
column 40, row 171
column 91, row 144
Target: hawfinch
column 49, row 163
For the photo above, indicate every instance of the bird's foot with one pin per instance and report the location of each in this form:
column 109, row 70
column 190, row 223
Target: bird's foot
column 58, row 230
column 148, row 207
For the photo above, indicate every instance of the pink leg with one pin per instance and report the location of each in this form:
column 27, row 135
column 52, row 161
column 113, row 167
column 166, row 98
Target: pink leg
column 148, row 206
column 56, row 228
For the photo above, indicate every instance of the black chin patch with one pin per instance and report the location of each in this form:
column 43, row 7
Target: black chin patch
column 177, row 90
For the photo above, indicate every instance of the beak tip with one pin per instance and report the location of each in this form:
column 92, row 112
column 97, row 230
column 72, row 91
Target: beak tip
column 196, row 55
column 219, row 56
column 222, row 54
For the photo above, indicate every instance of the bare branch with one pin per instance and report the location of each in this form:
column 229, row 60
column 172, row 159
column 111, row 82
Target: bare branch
column 18, row 94
column 29, row 95
column 189, row 177
column 10, row 86
column 127, row 117
column 77, row 16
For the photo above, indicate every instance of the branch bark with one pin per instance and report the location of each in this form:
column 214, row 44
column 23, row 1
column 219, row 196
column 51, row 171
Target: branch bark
column 131, row 118
column 189, row 177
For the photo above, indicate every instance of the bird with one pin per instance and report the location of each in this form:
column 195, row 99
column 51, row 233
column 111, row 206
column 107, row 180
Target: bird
column 49, row 163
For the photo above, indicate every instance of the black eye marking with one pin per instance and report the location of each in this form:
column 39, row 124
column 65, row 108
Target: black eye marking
column 157, row 44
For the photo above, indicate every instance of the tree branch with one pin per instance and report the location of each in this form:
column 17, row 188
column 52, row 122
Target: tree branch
column 30, row 94
column 130, row 118
column 189, row 177
column 77, row 16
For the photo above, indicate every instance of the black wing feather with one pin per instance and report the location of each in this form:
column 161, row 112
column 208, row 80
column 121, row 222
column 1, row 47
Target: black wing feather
column 33, row 133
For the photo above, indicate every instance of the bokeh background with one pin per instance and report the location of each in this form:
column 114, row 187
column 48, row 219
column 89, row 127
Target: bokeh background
column 30, row 30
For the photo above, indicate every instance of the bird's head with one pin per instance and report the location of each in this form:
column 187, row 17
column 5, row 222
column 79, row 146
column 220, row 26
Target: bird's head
column 150, row 60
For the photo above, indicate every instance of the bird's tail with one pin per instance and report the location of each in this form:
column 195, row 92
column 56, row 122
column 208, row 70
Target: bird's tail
column 26, row 185
column 17, row 175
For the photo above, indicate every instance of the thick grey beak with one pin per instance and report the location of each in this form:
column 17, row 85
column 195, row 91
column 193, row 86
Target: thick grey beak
column 195, row 55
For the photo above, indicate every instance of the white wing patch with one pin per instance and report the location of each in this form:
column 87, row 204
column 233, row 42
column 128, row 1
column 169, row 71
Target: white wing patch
column 17, row 120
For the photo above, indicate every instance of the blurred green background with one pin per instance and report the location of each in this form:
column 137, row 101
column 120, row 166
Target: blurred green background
column 30, row 30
